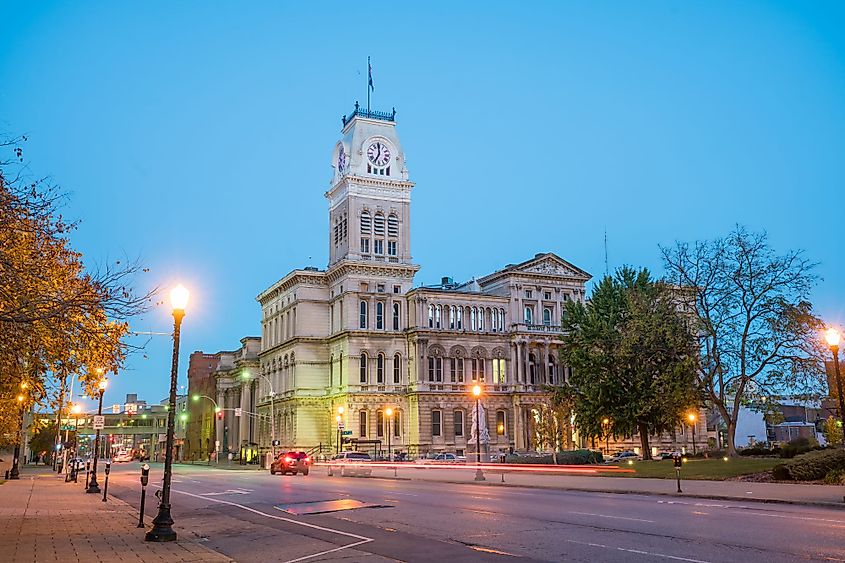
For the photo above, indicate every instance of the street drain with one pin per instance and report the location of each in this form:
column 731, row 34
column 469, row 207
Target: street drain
column 323, row 506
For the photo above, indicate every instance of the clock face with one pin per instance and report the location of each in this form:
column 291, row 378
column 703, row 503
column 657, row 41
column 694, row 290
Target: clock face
column 341, row 160
column 379, row 154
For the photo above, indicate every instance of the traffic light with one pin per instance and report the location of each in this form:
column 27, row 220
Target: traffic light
column 220, row 415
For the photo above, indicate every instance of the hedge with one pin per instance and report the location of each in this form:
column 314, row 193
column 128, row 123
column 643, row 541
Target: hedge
column 576, row 457
column 810, row 466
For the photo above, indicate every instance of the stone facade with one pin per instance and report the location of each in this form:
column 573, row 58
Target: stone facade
column 200, row 433
column 360, row 336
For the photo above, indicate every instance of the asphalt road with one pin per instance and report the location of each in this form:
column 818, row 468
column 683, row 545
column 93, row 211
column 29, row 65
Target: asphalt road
column 236, row 513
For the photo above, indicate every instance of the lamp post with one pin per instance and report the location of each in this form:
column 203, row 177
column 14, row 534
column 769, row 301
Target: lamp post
column 339, row 420
column 272, row 411
column 15, row 472
column 691, row 417
column 832, row 336
column 93, row 486
column 162, row 530
column 389, row 413
column 606, row 424
column 476, row 391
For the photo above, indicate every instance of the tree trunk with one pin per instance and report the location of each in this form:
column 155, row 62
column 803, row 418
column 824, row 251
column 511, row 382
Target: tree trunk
column 732, row 439
column 643, row 430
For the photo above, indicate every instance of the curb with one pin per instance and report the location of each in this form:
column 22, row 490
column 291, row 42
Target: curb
column 825, row 504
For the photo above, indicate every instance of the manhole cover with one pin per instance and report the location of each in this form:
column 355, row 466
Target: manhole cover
column 323, row 506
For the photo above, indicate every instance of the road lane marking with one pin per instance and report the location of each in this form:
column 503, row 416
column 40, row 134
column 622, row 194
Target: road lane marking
column 609, row 516
column 753, row 511
column 362, row 539
column 638, row 551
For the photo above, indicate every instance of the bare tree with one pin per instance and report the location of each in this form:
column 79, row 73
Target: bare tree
column 757, row 331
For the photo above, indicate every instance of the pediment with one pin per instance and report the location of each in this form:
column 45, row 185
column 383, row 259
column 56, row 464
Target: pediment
column 552, row 265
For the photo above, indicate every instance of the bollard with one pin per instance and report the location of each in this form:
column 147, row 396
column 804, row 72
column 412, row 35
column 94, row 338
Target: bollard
column 7, row 475
column 106, row 484
column 145, row 477
column 678, row 463
column 87, row 472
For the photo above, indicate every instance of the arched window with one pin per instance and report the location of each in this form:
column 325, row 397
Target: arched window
column 379, row 315
column 331, row 370
column 378, row 225
column 435, row 369
column 499, row 374
column 363, row 368
column 392, row 225
column 396, row 316
column 380, row 369
column 552, row 370
column 502, row 319
column 472, row 318
column 379, row 424
column 437, row 314
column 431, row 316
column 478, row 369
column 397, row 369
column 363, row 315
column 362, row 424
column 460, row 325
column 547, row 316
column 501, row 423
column 532, row 368
column 529, row 315
column 481, row 318
column 458, row 418
column 456, row 370
column 366, row 223
column 452, row 312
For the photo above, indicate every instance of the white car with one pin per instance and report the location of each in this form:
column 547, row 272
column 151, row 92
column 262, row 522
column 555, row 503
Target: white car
column 350, row 464
column 122, row 457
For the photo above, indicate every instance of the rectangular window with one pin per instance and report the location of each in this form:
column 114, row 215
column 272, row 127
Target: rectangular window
column 478, row 369
column 435, row 369
column 380, row 288
column 397, row 369
column 365, row 246
column 397, row 288
column 391, row 247
column 380, row 369
column 379, row 424
column 362, row 424
column 378, row 246
column 397, row 426
column 456, row 370
column 501, row 423
column 436, row 423
column 459, row 423
column 528, row 294
column 547, row 296
column 499, row 370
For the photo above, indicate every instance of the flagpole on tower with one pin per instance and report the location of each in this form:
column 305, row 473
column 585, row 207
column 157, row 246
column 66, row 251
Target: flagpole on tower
column 369, row 82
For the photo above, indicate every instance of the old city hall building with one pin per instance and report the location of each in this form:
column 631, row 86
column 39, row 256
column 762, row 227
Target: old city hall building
column 360, row 336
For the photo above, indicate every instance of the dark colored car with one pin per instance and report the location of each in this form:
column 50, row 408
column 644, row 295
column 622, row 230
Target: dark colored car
column 291, row 462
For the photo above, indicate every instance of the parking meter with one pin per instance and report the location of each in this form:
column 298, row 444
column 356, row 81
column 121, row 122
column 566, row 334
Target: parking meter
column 108, row 466
column 106, row 484
column 145, row 477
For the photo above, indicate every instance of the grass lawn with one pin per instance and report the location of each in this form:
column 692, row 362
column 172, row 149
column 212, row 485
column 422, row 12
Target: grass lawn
column 712, row 469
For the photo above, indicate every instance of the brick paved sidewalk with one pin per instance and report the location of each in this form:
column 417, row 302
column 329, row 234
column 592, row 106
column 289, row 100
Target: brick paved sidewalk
column 42, row 518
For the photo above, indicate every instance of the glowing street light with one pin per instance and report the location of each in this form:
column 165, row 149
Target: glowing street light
column 162, row 530
column 389, row 413
column 476, row 392
column 339, row 420
column 691, row 418
column 93, row 486
column 15, row 472
column 833, row 337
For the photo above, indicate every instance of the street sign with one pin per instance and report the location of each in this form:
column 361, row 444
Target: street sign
column 67, row 427
column 346, row 433
column 340, row 425
column 99, row 422
column 216, row 445
column 115, row 409
column 238, row 411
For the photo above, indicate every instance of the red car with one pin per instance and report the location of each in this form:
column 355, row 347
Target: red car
column 291, row 462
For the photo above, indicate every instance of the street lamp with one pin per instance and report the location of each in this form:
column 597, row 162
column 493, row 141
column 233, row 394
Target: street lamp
column 339, row 420
column 272, row 411
column 832, row 336
column 476, row 391
column 606, row 424
column 93, row 486
column 15, row 472
column 691, row 417
column 162, row 530
column 389, row 413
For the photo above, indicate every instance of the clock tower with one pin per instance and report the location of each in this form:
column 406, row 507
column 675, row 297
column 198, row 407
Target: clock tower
column 370, row 195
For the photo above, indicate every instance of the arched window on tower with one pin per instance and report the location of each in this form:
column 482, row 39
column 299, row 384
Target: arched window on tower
column 366, row 223
column 431, row 316
column 392, row 225
column 473, row 313
column 362, row 321
column 437, row 315
column 397, row 369
column 379, row 316
column 460, row 324
column 363, row 368
column 380, row 369
column 452, row 311
column 378, row 225
column 396, row 316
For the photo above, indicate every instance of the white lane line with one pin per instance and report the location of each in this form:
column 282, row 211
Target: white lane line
column 608, row 516
column 807, row 518
column 362, row 539
column 751, row 511
column 638, row 551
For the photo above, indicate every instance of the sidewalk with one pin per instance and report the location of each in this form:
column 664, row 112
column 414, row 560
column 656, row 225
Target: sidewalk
column 821, row 495
column 42, row 518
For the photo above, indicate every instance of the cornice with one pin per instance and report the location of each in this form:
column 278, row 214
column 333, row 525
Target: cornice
column 294, row 278
column 380, row 269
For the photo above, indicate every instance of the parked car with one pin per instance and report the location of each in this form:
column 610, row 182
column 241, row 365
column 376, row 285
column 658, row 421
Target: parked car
column 122, row 457
column 351, row 464
column 291, row 462
column 624, row 456
column 77, row 463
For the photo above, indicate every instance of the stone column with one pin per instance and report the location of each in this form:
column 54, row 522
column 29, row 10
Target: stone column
column 546, row 361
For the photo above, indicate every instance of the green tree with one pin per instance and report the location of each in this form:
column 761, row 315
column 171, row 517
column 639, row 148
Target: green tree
column 757, row 332
column 832, row 431
column 633, row 356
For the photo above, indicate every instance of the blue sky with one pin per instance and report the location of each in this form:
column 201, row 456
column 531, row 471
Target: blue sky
column 197, row 136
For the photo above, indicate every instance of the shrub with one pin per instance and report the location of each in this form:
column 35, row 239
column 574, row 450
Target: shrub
column 780, row 472
column 835, row 477
column 758, row 450
column 576, row 457
column 798, row 446
column 811, row 466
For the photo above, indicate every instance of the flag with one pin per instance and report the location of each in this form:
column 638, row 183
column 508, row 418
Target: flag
column 370, row 74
